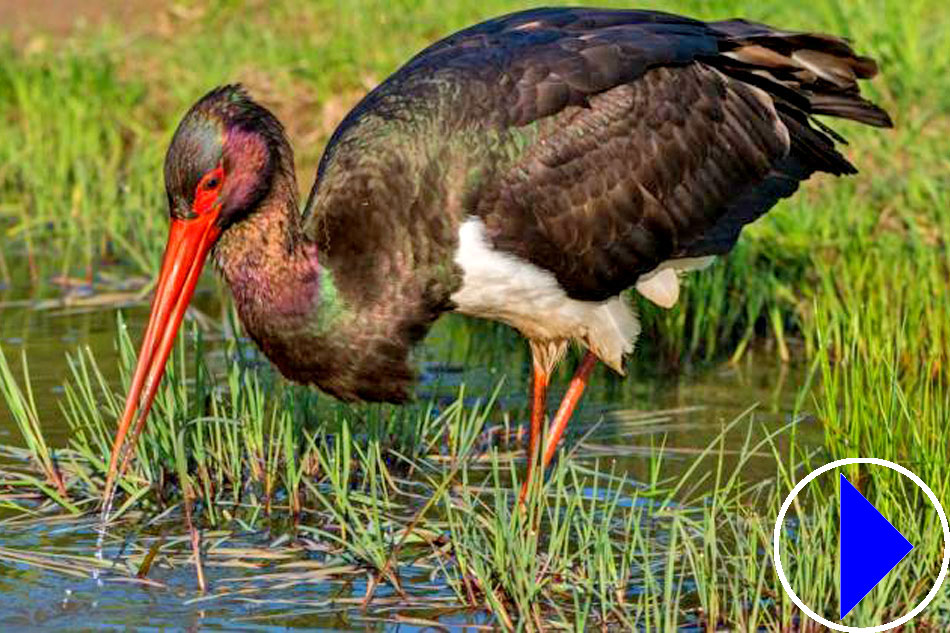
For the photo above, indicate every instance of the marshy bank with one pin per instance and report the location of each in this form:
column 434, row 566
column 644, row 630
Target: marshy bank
column 660, row 517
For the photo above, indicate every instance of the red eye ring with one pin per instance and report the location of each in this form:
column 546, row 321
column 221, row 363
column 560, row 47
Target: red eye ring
column 212, row 180
column 208, row 189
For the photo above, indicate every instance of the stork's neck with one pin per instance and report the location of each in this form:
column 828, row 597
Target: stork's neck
column 267, row 263
column 290, row 305
column 283, row 296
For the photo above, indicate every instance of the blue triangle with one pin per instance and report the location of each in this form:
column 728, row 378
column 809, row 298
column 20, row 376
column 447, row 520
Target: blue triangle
column 869, row 547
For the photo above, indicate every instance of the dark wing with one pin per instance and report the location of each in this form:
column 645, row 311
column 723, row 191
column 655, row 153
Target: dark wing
column 515, row 69
column 607, row 192
column 620, row 139
column 606, row 141
column 702, row 129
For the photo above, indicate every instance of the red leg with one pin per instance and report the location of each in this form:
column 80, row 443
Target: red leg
column 568, row 404
column 538, row 404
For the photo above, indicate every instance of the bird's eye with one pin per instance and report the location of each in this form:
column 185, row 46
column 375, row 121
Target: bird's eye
column 208, row 190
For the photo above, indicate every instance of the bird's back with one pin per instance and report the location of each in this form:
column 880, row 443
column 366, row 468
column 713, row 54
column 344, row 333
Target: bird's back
column 600, row 143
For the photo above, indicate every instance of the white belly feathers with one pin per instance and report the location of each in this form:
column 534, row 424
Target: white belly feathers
column 506, row 288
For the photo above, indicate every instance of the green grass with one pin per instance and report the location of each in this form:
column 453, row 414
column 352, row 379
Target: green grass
column 590, row 548
column 850, row 275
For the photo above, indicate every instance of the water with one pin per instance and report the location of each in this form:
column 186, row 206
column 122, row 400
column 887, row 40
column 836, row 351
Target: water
column 49, row 600
column 630, row 415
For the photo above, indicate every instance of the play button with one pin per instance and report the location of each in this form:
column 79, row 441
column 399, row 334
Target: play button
column 870, row 547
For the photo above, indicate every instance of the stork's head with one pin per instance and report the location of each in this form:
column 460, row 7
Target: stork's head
column 221, row 164
column 222, row 159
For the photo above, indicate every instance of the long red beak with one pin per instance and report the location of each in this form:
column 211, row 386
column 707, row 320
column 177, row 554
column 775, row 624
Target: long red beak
column 189, row 242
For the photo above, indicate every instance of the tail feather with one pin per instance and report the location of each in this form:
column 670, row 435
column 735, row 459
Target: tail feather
column 815, row 73
column 805, row 74
column 852, row 107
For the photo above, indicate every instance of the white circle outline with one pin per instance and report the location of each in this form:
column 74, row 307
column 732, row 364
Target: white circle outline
column 780, row 521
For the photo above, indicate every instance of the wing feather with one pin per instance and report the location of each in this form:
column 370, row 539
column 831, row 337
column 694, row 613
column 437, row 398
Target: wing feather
column 597, row 144
column 606, row 194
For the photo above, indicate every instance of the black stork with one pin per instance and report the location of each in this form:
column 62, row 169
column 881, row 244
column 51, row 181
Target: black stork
column 528, row 169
